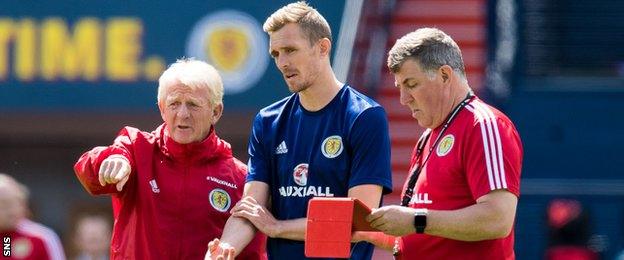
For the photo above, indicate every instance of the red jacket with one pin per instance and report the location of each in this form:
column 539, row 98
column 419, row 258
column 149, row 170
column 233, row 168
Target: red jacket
column 178, row 196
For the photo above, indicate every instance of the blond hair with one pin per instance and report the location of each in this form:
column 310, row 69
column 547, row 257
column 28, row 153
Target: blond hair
column 431, row 48
column 194, row 74
column 312, row 23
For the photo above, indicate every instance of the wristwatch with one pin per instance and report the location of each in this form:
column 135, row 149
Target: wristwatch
column 420, row 220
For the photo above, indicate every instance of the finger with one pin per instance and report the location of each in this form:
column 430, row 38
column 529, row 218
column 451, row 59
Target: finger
column 108, row 170
column 122, row 183
column 244, row 206
column 212, row 245
column 101, row 172
column 116, row 170
column 244, row 214
column 251, row 199
column 378, row 224
column 229, row 254
column 241, row 205
column 375, row 214
column 121, row 171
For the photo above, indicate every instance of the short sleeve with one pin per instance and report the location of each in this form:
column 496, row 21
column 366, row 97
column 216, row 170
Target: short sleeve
column 370, row 146
column 258, row 162
column 492, row 154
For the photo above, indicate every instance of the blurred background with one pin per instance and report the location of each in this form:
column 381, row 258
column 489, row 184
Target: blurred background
column 73, row 73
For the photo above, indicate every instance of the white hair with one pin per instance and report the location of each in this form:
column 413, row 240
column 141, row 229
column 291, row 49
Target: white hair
column 194, row 74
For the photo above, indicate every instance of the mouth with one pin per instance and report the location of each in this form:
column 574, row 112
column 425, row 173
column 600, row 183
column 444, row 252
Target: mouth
column 289, row 75
column 184, row 127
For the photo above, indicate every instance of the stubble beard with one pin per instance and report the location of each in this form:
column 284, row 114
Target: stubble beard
column 298, row 87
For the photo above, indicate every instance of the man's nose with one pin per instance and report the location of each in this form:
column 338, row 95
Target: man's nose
column 404, row 96
column 282, row 62
column 183, row 111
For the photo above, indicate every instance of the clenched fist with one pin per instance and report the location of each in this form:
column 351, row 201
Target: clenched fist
column 114, row 169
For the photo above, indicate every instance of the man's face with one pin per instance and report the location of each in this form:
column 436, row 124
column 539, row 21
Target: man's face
column 12, row 208
column 188, row 113
column 422, row 95
column 298, row 61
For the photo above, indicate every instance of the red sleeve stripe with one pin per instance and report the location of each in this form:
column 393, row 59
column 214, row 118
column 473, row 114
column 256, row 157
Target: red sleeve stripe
column 492, row 147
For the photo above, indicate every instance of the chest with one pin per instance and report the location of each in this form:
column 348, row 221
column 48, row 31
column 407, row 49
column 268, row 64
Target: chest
column 176, row 187
column 442, row 178
column 312, row 149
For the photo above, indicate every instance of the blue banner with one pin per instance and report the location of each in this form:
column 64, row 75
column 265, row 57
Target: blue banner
column 107, row 55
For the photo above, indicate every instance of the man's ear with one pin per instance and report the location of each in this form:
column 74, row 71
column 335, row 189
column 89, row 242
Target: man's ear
column 161, row 108
column 325, row 46
column 217, row 112
column 446, row 72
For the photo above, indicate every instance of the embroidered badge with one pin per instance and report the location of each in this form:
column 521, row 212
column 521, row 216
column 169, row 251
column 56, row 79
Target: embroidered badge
column 300, row 174
column 445, row 145
column 220, row 200
column 332, row 146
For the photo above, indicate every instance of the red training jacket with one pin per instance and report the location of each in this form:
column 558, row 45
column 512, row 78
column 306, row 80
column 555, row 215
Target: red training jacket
column 178, row 196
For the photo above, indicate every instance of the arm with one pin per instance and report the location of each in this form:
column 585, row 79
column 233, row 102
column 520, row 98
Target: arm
column 294, row 229
column 370, row 195
column 238, row 231
column 381, row 240
column 105, row 170
column 491, row 217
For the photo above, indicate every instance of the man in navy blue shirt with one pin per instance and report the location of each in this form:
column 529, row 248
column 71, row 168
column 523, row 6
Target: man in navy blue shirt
column 325, row 140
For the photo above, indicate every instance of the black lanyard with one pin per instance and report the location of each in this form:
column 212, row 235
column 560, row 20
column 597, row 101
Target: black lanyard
column 409, row 192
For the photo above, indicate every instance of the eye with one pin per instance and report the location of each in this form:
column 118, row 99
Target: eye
column 411, row 85
column 290, row 50
column 174, row 104
column 274, row 54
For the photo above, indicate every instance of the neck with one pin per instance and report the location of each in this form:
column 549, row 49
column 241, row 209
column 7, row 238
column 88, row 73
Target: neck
column 456, row 96
column 319, row 94
column 459, row 96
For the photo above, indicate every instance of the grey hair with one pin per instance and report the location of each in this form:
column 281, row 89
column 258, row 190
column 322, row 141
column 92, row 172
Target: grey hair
column 431, row 48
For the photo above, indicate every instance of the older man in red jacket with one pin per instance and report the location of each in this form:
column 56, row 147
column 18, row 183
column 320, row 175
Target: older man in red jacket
column 172, row 189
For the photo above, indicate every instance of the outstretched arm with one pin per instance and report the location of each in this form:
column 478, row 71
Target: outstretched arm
column 106, row 169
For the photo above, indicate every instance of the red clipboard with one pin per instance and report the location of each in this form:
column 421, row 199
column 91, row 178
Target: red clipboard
column 330, row 224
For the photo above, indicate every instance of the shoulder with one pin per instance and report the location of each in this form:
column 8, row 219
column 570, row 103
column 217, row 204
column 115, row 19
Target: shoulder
column 239, row 167
column 134, row 133
column 358, row 102
column 482, row 113
column 486, row 122
column 361, row 108
column 276, row 108
column 233, row 170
